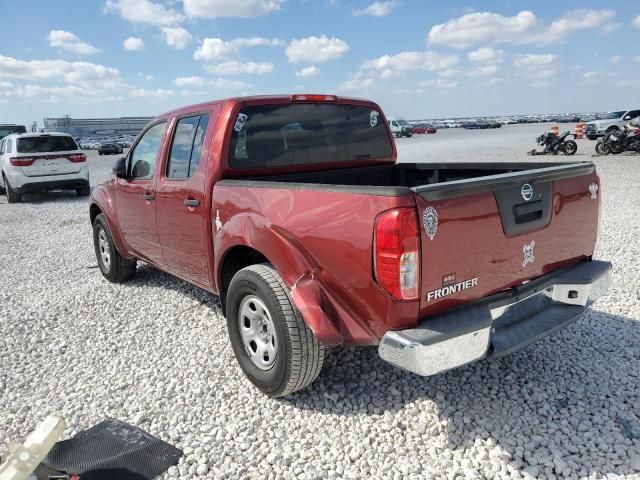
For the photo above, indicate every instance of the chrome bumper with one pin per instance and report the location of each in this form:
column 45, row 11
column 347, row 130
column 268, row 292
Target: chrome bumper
column 497, row 325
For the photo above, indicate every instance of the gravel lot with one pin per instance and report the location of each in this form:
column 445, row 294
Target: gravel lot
column 154, row 352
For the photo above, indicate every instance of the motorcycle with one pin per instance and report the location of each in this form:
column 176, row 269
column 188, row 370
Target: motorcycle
column 554, row 144
column 619, row 141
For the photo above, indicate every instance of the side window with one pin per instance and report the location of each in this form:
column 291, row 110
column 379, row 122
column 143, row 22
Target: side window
column 1, row 147
column 198, row 141
column 178, row 166
column 186, row 146
column 9, row 146
column 633, row 114
column 145, row 153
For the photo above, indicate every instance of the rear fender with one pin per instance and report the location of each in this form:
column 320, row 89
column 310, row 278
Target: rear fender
column 104, row 201
column 302, row 275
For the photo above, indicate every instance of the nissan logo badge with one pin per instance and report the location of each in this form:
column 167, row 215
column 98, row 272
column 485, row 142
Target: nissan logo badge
column 527, row 192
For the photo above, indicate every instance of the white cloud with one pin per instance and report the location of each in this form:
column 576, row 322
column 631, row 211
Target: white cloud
column 189, row 81
column 494, row 81
column 356, row 84
column 636, row 22
column 69, row 72
column 308, row 71
column 133, row 44
column 147, row 76
column 440, row 83
column 406, row 61
column 486, row 55
column 212, row 49
column 144, row 93
column 377, row 9
column 530, row 61
column 616, row 59
column 225, row 84
column 315, row 49
column 636, row 59
column 609, row 28
column 230, row 8
column 483, row 71
column 69, row 42
column 235, row 67
column 525, row 27
column 144, row 11
column 481, row 27
column 176, row 37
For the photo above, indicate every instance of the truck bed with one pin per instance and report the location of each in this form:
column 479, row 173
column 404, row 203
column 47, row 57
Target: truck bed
column 431, row 181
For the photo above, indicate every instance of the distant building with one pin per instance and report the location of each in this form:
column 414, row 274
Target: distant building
column 81, row 127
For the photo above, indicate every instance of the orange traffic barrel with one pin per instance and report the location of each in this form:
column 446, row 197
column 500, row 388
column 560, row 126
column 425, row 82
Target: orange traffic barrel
column 554, row 129
column 580, row 130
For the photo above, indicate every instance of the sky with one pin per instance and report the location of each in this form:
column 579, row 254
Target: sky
column 417, row 59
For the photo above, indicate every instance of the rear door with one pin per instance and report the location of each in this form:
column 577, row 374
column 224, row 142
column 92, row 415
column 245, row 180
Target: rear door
column 181, row 209
column 51, row 155
column 488, row 234
column 135, row 195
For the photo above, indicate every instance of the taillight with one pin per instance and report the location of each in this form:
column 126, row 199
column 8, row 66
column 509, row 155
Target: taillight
column 21, row 161
column 77, row 157
column 397, row 253
column 313, row 98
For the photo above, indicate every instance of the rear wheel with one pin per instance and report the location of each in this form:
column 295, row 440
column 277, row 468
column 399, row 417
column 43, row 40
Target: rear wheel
column 606, row 150
column 599, row 148
column 12, row 196
column 273, row 345
column 114, row 267
column 570, row 147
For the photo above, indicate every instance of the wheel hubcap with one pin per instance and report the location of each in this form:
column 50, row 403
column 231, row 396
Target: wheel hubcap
column 257, row 332
column 103, row 246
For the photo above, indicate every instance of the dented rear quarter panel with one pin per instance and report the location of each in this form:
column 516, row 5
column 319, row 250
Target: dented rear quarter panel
column 321, row 244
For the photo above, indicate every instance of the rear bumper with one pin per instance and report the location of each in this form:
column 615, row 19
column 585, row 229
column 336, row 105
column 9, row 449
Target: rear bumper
column 58, row 184
column 497, row 325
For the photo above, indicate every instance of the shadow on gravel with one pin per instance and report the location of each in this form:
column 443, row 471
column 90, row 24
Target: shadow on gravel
column 53, row 196
column 570, row 401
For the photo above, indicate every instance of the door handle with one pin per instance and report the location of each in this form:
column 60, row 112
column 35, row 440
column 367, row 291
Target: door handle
column 148, row 196
column 191, row 202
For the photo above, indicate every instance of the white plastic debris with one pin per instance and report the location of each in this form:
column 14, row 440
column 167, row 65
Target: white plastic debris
column 24, row 459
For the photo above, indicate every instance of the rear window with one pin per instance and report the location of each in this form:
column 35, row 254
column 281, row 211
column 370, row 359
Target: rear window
column 52, row 143
column 9, row 129
column 307, row 133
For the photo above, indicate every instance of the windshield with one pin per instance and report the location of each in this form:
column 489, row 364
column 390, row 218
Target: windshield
column 612, row 115
column 307, row 133
column 49, row 143
column 402, row 123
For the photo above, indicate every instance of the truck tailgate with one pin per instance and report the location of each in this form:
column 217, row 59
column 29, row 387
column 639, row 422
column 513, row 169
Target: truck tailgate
column 487, row 234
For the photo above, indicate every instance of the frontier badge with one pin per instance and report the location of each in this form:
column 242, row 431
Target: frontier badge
column 430, row 221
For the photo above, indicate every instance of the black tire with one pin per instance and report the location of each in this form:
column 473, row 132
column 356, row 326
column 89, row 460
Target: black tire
column 12, row 196
column 83, row 191
column 599, row 148
column 117, row 269
column 570, row 147
column 606, row 150
column 298, row 353
column 612, row 129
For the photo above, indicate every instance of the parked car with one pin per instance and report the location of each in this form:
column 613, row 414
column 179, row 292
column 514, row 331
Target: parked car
column 109, row 148
column 423, row 128
column 400, row 128
column 609, row 123
column 9, row 128
column 313, row 236
column 31, row 162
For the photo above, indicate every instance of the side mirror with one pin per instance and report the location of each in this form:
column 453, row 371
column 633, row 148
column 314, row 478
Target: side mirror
column 120, row 167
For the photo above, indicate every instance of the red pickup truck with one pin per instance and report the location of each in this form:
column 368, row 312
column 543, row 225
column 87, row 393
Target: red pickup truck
column 294, row 211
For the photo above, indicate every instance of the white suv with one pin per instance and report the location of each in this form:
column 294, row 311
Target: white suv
column 30, row 162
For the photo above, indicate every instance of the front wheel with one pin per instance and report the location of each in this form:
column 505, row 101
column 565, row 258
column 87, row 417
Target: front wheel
column 606, row 149
column 570, row 147
column 114, row 267
column 273, row 345
column 599, row 148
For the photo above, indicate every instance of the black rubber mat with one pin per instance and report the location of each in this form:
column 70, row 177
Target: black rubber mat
column 115, row 450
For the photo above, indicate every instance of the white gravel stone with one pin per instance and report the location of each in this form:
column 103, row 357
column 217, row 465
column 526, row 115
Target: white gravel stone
column 154, row 352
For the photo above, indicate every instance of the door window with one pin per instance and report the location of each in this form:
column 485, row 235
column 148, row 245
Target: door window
column 8, row 146
column 2, row 147
column 186, row 146
column 145, row 153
